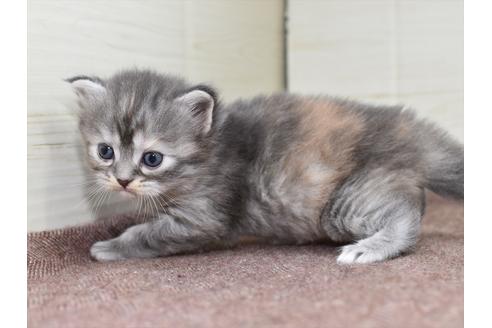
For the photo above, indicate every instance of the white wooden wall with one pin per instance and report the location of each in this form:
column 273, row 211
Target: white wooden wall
column 235, row 44
column 383, row 51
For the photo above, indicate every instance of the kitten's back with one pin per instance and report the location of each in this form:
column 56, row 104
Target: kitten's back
column 345, row 136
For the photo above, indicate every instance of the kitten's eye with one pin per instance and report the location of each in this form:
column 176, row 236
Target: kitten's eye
column 105, row 151
column 152, row 159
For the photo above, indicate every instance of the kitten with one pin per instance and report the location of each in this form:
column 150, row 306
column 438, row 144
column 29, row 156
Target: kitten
column 286, row 168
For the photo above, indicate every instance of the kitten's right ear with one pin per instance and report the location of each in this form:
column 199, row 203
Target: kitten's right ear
column 88, row 89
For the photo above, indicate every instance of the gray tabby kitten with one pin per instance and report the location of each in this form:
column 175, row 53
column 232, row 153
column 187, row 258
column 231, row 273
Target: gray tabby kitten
column 285, row 168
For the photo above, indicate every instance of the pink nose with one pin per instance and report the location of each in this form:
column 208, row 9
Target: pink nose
column 124, row 183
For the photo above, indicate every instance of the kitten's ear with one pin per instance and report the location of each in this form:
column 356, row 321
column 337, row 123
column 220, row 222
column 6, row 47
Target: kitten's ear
column 88, row 89
column 201, row 101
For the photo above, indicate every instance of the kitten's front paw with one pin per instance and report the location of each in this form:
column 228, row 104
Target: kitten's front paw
column 103, row 251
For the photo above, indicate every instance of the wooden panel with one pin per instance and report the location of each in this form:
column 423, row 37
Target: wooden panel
column 383, row 51
column 235, row 45
column 430, row 60
column 338, row 46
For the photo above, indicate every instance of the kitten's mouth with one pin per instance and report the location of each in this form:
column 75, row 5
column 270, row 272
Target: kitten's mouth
column 127, row 193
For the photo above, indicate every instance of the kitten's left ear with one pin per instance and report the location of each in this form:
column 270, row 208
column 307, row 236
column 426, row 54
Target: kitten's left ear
column 201, row 101
column 88, row 89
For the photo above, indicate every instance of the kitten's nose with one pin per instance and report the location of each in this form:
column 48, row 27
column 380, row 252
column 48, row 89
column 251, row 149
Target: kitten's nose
column 123, row 183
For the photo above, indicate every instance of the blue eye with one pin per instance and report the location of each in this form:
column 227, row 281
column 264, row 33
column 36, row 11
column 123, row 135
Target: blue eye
column 152, row 159
column 105, row 151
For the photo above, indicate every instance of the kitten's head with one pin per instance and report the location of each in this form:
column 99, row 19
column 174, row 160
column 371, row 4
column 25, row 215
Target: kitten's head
column 145, row 134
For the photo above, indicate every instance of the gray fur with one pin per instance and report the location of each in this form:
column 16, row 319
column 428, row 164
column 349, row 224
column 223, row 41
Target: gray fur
column 242, row 177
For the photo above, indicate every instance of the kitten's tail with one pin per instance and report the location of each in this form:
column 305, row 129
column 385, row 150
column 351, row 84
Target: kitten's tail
column 443, row 163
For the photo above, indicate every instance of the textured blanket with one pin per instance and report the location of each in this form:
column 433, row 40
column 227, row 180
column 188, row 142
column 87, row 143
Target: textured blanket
column 249, row 286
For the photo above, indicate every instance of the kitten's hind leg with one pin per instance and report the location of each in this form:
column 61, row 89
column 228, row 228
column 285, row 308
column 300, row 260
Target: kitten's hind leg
column 387, row 243
column 382, row 217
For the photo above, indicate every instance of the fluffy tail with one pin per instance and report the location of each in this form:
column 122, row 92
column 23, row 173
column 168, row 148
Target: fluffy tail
column 443, row 163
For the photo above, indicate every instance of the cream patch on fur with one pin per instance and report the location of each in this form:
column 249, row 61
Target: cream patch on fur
column 113, row 184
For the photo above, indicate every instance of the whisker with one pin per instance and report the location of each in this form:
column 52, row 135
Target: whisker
column 100, row 201
column 163, row 207
column 155, row 205
column 138, row 205
column 93, row 191
column 145, row 209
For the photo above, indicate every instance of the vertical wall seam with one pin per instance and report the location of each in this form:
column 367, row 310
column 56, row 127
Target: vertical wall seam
column 285, row 43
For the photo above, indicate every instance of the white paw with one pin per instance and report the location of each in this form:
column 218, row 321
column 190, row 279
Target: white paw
column 104, row 251
column 359, row 254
